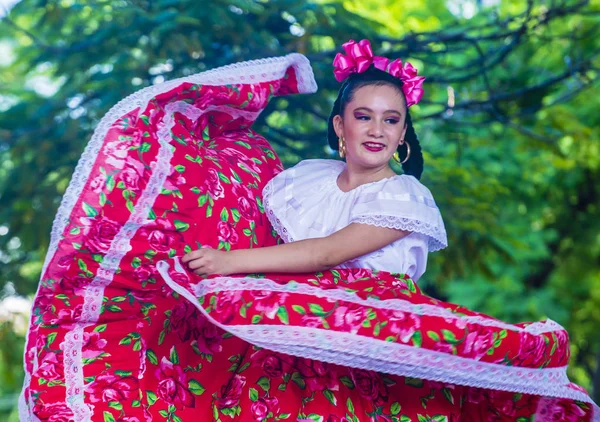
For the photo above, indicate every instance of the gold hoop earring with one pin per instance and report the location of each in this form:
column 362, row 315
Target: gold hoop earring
column 396, row 156
column 342, row 147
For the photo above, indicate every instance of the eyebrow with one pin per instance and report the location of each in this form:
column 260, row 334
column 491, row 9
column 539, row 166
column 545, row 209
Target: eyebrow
column 369, row 110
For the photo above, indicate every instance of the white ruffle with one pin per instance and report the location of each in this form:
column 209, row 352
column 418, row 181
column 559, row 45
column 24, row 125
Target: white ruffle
column 305, row 202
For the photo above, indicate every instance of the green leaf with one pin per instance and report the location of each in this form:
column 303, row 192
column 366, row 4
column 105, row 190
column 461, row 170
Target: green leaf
column 316, row 309
column 151, row 397
column 395, row 409
column 417, row 339
column 448, row 394
column 224, row 178
column 414, row 382
column 264, row 383
column 89, row 210
column 282, row 313
column 181, row 226
column 449, row 336
column 349, row 405
column 123, row 373
column 115, row 405
column 100, row 328
column 174, row 357
column 330, row 396
column 152, row 356
column 145, row 146
column 224, row 215
column 253, row 394
column 347, row 381
column 195, row 387
column 299, row 309
column 433, row 335
column 108, row 417
column 235, row 214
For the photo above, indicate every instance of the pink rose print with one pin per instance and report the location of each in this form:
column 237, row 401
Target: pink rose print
column 246, row 203
column 268, row 302
column 349, row 318
column 131, row 175
column 228, row 305
column 562, row 410
column 109, row 387
column 97, row 184
column 93, row 345
column 232, row 391
column 531, row 350
column 99, row 232
column 227, row 232
column 145, row 272
column 263, row 406
column 213, row 185
column 172, row 385
column 50, row 368
column 272, row 363
column 477, row 343
column 368, row 383
column 210, row 338
column 74, row 285
column 405, row 324
column 318, row 375
column 161, row 235
column 185, row 321
column 53, row 412
column 117, row 153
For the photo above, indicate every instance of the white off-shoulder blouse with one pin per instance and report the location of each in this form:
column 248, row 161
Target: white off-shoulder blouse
column 305, row 202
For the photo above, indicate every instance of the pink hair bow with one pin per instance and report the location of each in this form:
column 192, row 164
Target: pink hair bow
column 359, row 57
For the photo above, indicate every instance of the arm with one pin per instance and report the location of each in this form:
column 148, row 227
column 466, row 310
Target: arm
column 303, row 256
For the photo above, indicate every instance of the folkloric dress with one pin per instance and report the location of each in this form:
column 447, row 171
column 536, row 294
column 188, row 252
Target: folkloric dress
column 121, row 331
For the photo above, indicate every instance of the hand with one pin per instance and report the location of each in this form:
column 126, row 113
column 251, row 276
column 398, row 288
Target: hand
column 205, row 262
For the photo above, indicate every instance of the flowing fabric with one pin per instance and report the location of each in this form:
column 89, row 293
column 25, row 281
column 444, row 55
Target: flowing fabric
column 120, row 331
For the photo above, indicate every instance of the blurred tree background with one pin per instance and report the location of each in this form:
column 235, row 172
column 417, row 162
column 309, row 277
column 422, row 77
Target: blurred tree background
column 509, row 125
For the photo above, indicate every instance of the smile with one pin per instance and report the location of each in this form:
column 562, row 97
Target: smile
column 373, row 146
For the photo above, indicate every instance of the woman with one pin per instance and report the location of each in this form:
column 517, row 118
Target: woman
column 177, row 168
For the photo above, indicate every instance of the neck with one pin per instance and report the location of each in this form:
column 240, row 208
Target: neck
column 352, row 177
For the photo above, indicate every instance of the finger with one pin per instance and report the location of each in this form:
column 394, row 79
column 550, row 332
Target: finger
column 196, row 264
column 191, row 256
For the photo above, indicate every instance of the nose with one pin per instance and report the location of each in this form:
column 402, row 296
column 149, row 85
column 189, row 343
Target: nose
column 375, row 128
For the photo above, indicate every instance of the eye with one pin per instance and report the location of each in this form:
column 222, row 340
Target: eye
column 392, row 121
column 361, row 117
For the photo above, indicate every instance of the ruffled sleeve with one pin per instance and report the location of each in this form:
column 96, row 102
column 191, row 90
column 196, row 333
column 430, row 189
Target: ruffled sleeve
column 402, row 203
column 299, row 201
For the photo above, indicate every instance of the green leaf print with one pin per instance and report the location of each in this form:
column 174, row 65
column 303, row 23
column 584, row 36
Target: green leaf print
column 224, row 215
column 264, row 383
column 89, row 210
column 181, row 226
column 282, row 313
column 108, row 417
column 174, row 357
column 195, row 387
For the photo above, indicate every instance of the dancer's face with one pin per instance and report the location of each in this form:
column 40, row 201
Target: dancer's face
column 373, row 125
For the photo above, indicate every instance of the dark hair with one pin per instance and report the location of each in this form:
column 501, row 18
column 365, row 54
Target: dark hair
column 376, row 77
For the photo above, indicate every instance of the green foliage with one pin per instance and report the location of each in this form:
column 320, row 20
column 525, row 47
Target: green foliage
column 509, row 126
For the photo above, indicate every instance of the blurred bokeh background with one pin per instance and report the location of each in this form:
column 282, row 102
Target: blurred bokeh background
column 510, row 126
